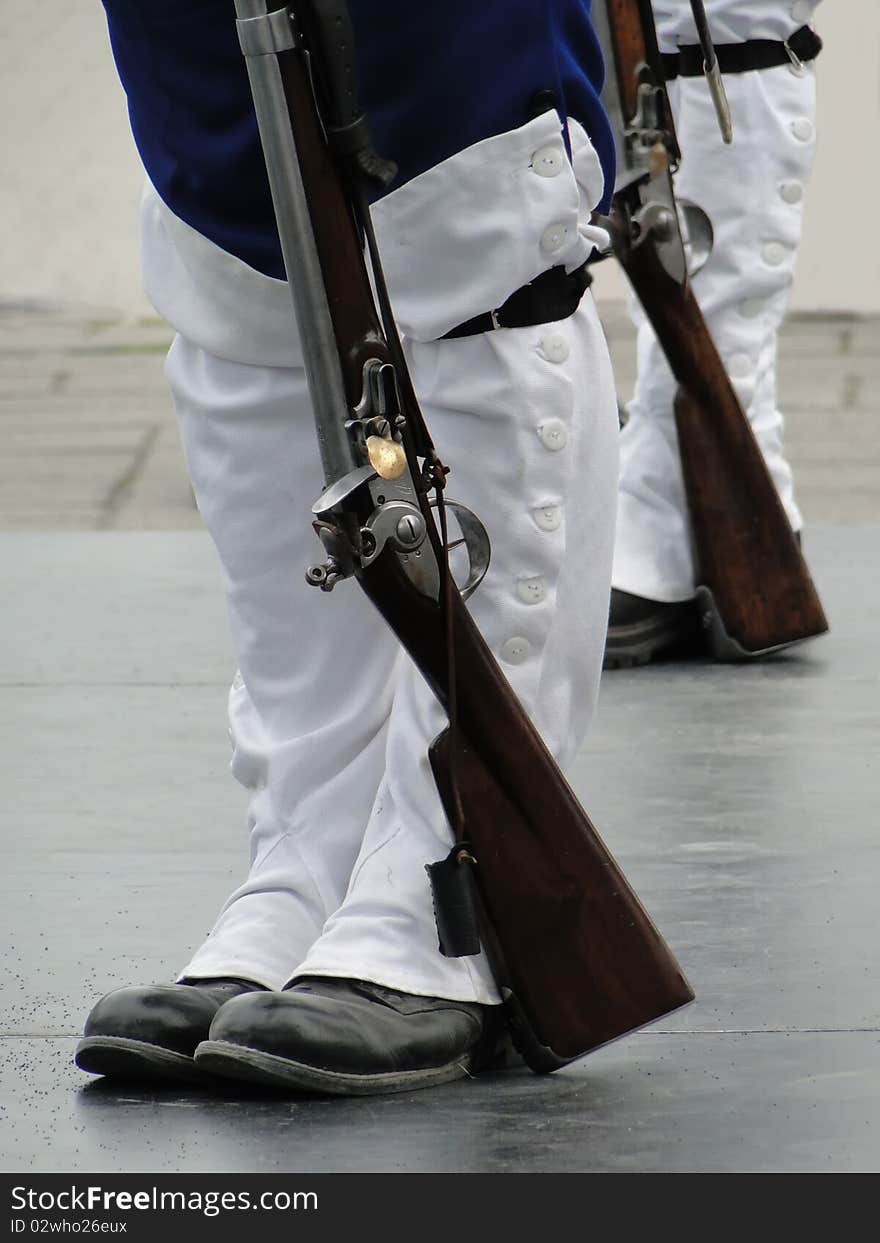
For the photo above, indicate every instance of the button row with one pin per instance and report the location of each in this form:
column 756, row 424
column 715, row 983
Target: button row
column 531, row 589
column 553, row 433
column 549, row 161
column 791, row 192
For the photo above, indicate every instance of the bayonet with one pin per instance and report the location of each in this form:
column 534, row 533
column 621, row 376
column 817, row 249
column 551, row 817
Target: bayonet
column 712, row 71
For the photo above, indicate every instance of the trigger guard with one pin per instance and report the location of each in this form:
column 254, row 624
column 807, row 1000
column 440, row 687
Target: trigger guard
column 476, row 541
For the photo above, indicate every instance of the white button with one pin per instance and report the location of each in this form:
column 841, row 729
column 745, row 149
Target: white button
column 549, row 161
column 516, row 650
column 739, row 367
column 773, row 253
column 554, row 347
column 745, row 390
column 791, row 191
column 554, row 238
column 553, row 434
column 802, row 10
column 548, row 517
column 751, row 308
column 802, row 129
column 531, row 590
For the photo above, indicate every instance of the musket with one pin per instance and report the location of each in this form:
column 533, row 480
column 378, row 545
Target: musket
column 576, row 957
column 754, row 594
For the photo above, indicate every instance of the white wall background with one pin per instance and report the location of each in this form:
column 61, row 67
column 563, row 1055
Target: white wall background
column 70, row 179
column 839, row 266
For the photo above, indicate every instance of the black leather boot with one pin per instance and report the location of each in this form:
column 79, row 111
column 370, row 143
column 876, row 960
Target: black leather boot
column 349, row 1038
column 152, row 1032
column 639, row 630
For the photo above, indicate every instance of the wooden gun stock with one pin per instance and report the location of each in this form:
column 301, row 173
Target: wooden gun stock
column 569, row 940
column 756, row 594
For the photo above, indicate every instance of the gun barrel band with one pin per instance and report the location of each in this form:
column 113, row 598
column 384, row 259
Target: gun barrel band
column 267, row 34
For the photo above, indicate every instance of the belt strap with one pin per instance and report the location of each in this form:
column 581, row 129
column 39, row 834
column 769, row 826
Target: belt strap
column 804, row 45
column 553, row 295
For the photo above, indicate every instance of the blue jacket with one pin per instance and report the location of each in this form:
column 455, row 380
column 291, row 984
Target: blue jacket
column 435, row 77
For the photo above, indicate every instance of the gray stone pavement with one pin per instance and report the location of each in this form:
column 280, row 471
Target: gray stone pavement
column 90, row 441
column 741, row 802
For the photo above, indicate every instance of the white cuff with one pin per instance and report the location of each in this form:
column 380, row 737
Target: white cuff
column 457, row 240
column 211, row 297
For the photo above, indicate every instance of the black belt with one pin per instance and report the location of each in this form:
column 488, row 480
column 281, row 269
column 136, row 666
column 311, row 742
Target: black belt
column 553, row 295
column 804, row 45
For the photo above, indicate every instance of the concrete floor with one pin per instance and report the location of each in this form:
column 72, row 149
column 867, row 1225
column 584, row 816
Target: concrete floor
column 741, row 802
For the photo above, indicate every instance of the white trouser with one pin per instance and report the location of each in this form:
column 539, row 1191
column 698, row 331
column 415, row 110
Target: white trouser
column 330, row 723
column 753, row 192
column 731, row 21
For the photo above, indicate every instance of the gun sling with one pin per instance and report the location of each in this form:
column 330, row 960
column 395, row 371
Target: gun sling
column 804, row 45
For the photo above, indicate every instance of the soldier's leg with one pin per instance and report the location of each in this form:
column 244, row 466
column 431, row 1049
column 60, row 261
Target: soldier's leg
column 753, row 192
column 308, row 709
column 308, row 712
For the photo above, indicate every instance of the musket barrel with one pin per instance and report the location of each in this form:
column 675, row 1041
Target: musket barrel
column 263, row 39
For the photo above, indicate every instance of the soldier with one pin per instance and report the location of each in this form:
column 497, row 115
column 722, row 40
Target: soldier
column 753, row 192
column 324, row 963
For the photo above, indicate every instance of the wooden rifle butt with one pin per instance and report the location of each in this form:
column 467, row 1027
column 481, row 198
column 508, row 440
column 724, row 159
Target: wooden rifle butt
column 756, row 590
column 755, row 587
column 577, row 959
column 581, row 957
